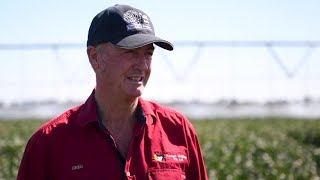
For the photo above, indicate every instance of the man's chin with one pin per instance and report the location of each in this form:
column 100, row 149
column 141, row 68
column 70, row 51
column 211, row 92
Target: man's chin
column 135, row 94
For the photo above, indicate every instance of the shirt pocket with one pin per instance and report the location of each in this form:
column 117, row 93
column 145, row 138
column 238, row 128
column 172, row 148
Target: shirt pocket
column 165, row 174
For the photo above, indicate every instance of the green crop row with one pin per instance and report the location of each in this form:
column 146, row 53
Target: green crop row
column 274, row 148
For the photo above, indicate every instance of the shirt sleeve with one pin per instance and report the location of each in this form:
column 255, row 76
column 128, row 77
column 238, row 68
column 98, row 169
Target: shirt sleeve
column 33, row 163
column 197, row 168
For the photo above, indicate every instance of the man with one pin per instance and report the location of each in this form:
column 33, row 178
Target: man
column 116, row 134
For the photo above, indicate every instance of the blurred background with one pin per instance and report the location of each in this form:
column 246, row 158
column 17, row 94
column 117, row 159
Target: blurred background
column 246, row 73
column 231, row 58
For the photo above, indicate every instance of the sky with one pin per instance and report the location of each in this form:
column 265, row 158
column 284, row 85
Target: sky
column 215, row 73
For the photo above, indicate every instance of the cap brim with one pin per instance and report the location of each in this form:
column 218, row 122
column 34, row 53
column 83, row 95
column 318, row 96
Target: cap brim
column 139, row 40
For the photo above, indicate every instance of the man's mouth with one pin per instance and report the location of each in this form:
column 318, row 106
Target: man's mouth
column 135, row 78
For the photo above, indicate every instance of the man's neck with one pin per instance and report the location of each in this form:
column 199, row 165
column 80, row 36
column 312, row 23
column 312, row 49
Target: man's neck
column 116, row 113
column 118, row 117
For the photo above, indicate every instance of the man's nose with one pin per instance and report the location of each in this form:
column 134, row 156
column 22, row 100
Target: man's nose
column 142, row 63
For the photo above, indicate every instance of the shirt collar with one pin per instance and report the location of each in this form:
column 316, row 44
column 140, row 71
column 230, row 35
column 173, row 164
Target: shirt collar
column 148, row 110
column 88, row 112
column 146, row 107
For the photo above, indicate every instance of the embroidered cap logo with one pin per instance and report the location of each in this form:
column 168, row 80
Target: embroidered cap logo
column 136, row 20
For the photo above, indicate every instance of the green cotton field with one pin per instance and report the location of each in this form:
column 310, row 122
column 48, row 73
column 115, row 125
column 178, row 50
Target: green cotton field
column 248, row 148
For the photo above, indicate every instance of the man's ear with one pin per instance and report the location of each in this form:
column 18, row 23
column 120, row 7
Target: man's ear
column 92, row 55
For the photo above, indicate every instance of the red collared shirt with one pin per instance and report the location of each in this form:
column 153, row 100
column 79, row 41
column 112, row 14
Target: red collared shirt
column 73, row 146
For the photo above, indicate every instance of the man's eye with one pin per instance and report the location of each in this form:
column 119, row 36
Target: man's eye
column 129, row 51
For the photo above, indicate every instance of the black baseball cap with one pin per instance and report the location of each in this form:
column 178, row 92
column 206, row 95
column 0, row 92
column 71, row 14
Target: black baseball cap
column 125, row 27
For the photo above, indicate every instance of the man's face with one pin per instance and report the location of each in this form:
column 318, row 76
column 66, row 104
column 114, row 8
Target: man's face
column 123, row 72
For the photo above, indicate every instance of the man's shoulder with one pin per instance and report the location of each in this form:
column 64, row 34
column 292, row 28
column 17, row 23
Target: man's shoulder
column 53, row 132
column 171, row 118
column 60, row 122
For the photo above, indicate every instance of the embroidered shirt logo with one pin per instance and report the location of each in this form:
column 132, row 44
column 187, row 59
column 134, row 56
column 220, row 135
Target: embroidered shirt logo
column 170, row 157
column 136, row 20
column 77, row 167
